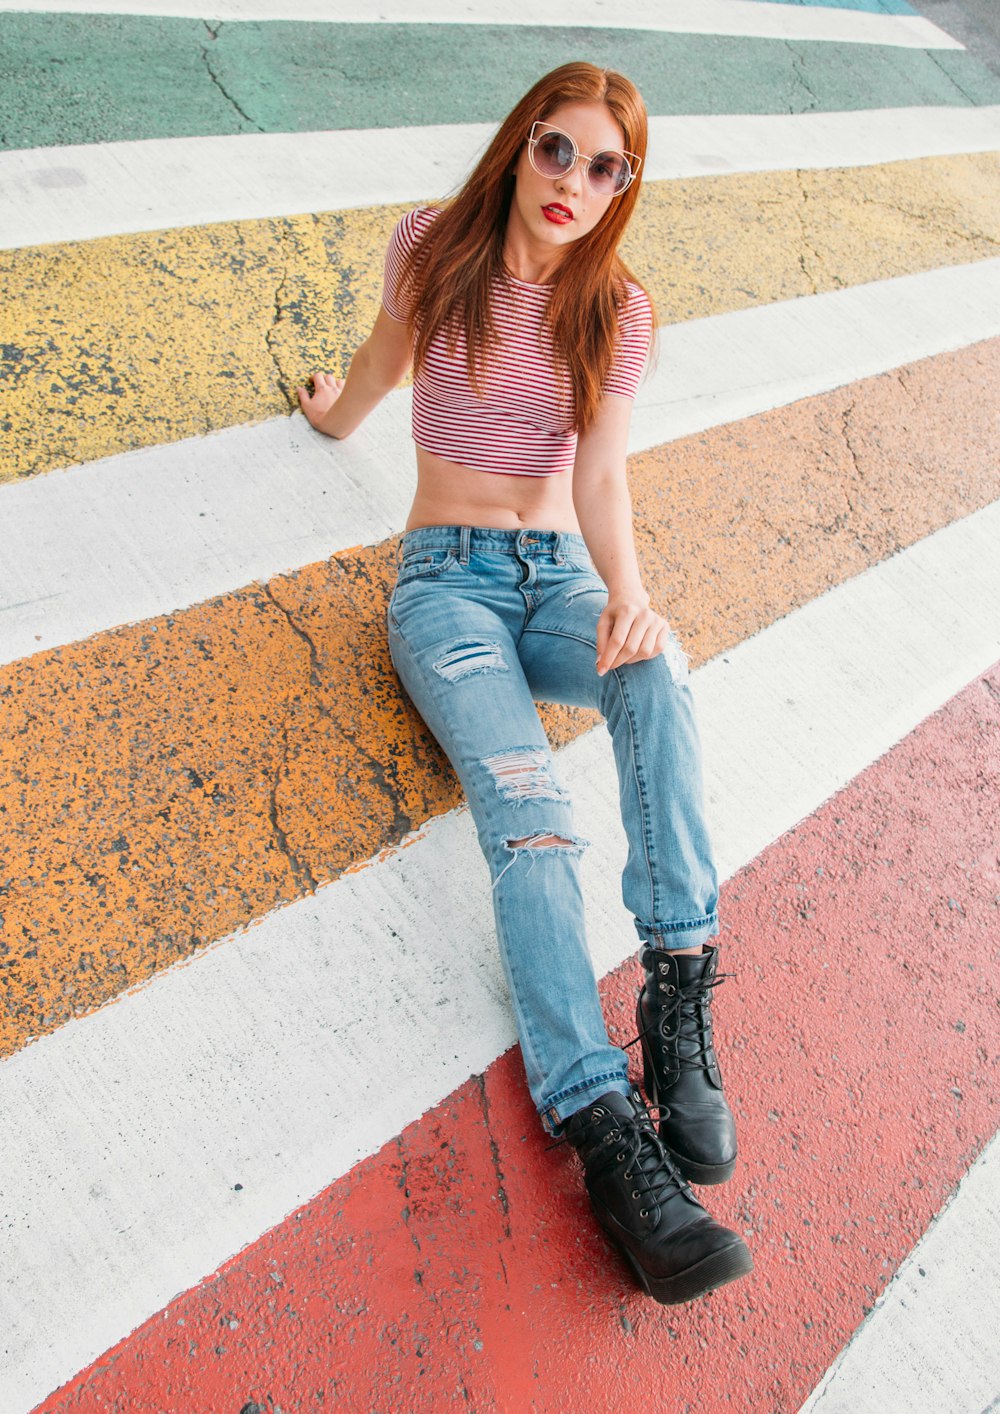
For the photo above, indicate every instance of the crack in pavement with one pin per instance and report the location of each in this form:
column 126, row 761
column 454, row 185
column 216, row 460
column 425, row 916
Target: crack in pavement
column 218, row 82
column 991, row 687
column 902, row 383
column 845, row 433
column 301, row 871
column 495, row 1154
column 314, row 677
column 950, row 77
column 894, row 540
column 930, row 220
column 798, row 73
column 303, row 874
column 404, row 1184
column 808, row 247
column 382, row 773
column 270, row 332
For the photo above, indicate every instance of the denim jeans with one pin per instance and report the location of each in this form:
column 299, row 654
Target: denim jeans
column 482, row 623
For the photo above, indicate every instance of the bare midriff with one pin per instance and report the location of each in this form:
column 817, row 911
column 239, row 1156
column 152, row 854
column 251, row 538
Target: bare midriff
column 451, row 494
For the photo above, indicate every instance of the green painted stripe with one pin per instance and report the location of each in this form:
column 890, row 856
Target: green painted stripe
column 131, row 341
column 103, row 78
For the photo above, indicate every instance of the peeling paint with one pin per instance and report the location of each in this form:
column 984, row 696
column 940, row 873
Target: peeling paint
column 462, row 1254
column 256, row 746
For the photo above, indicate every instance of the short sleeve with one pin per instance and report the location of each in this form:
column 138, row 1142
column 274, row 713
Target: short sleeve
column 410, row 230
column 636, row 326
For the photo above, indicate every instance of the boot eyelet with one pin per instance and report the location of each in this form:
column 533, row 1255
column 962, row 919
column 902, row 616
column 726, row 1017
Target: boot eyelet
column 635, row 1192
column 663, row 969
column 670, row 991
column 621, row 1158
column 644, row 1212
column 627, row 1174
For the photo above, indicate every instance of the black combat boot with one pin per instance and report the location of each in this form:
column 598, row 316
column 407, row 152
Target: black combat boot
column 675, row 1248
column 681, row 1070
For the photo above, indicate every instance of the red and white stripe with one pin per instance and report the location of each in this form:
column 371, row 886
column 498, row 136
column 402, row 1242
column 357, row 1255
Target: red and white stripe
column 520, row 422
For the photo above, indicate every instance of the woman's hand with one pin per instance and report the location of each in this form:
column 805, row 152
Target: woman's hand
column 629, row 631
column 326, row 391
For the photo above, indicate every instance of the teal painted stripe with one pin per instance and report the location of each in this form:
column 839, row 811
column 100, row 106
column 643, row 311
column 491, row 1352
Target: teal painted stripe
column 873, row 7
column 105, row 78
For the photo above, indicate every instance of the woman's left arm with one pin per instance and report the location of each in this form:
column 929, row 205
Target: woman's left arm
column 629, row 629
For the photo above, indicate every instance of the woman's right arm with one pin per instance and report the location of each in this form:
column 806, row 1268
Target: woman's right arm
column 338, row 405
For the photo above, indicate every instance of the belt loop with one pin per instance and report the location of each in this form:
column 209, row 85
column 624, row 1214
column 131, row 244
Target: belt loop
column 557, row 549
column 399, row 549
column 464, row 541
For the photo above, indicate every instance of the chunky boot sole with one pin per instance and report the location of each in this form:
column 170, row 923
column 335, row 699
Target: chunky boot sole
column 705, row 1174
column 713, row 1271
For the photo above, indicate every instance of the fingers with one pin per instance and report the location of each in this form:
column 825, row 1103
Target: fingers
column 616, row 622
column 629, row 635
column 603, row 634
column 326, row 391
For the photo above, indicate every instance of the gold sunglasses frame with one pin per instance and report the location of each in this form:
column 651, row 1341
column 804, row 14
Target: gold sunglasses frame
column 633, row 160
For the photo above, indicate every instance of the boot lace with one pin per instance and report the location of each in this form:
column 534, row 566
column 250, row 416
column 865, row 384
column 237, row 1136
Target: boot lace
column 648, row 1166
column 694, row 1027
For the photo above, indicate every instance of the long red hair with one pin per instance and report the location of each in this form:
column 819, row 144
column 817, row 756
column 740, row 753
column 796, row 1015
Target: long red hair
column 448, row 278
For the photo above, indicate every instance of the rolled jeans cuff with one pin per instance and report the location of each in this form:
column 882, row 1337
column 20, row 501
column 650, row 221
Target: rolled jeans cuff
column 672, row 936
column 555, row 1114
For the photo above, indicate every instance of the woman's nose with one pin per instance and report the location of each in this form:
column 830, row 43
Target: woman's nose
column 571, row 182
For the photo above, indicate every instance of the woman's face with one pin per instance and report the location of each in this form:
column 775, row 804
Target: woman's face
column 558, row 210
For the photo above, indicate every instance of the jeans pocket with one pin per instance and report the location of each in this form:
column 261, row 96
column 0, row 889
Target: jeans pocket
column 424, row 564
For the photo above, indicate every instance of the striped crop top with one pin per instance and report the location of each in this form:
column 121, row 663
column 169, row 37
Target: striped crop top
column 522, row 423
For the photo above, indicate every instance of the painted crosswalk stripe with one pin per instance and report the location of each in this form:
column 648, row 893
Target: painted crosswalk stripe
column 202, row 517
column 239, row 753
column 853, row 25
column 460, row 1259
column 908, row 1354
column 215, row 1075
column 132, row 339
column 277, row 752
column 125, row 187
column 108, row 78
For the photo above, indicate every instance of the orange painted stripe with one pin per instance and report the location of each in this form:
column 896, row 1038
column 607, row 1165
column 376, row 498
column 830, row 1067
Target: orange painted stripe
column 165, row 783
column 460, row 1267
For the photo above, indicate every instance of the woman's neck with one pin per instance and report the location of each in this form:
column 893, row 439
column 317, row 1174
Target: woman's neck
column 527, row 259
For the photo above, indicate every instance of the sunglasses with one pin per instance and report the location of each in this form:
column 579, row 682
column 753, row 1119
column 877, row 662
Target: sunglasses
column 553, row 153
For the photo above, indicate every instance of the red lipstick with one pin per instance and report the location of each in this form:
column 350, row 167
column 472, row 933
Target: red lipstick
column 558, row 215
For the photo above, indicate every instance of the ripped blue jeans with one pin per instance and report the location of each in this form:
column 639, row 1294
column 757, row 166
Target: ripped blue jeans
column 482, row 623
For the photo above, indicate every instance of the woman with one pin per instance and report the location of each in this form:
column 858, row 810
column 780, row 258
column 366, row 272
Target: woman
column 518, row 581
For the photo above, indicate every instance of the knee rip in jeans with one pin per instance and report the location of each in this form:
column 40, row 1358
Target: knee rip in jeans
column 470, row 657
column 523, row 773
column 534, row 845
column 676, row 660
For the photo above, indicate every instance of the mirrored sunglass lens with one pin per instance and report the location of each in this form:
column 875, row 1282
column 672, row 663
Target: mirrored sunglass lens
column 609, row 172
column 554, row 153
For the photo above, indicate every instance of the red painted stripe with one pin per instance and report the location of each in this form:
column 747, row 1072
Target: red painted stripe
column 459, row 1265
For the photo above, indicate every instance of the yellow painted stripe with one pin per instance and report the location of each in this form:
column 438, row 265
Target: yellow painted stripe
column 165, row 783
column 132, row 341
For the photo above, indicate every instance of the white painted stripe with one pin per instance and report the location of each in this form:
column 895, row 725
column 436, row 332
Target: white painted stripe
column 747, row 18
column 151, row 531
column 930, row 1343
column 262, row 1061
column 103, row 189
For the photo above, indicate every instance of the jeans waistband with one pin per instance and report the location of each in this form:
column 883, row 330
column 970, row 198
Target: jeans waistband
column 463, row 539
